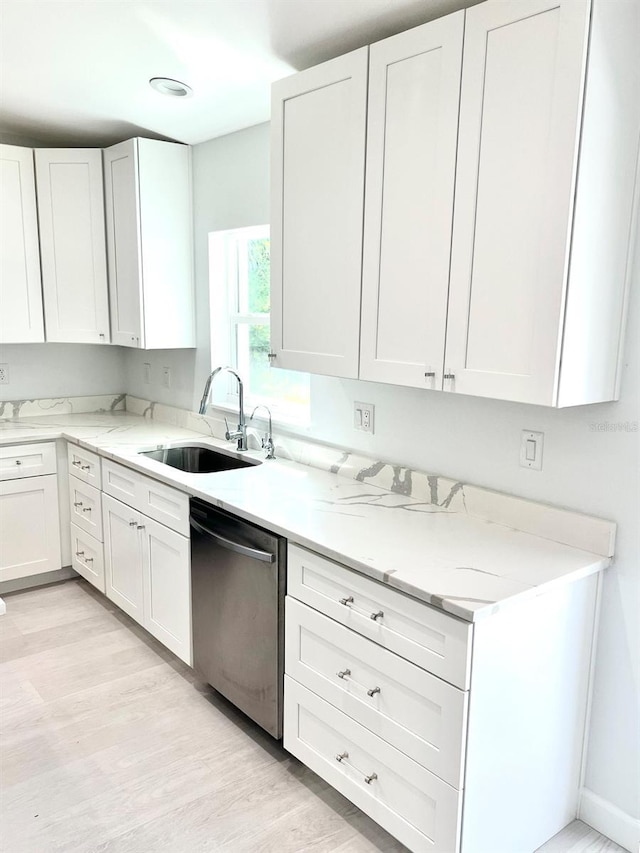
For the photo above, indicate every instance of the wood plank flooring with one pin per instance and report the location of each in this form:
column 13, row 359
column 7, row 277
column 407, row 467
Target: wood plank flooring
column 111, row 744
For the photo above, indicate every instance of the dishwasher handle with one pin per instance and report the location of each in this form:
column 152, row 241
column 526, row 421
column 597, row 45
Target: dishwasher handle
column 230, row 545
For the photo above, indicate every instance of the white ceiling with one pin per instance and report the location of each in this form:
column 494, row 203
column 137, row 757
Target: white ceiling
column 75, row 72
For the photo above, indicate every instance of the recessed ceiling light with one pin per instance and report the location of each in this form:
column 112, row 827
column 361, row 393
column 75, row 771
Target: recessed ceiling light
column 167, row 86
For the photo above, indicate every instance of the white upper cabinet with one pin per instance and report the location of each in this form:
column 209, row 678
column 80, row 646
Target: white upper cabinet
column 20, row 287
column 149, row 244
column 318, row 158
column 538, row 284
column 414, row 86
column 531, row 153
column 72, row 244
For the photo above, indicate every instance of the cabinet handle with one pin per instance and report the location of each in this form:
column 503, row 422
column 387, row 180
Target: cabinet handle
column 348, row 602
column 18, row 462
column 450, row 376
column 79, row 553
column 88, row 559
column 77, row 503
column 430, row 374
column 86, row 509
column 133, row 523
column 85, row 467
column 271, row 356
column 141, row 527
column 342, row 758
column 346, row 673
column 76, row 462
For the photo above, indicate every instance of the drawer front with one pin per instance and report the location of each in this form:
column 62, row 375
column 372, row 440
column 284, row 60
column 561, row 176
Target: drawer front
column 84, row 465
column 164, row 504
column 87, row 556
column 415, row 806
column 416, row 712
column 85, row 505
column 435, row 641
column 27, row 460
column 120, row 482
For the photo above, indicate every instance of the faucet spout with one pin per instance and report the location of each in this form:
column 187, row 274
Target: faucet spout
column 241, row 433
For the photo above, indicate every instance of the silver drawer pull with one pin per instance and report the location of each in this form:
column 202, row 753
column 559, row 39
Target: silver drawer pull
column 18, row 462
column 77, row 463
column 341, row 757
column 77, row 503
column 377, row 615
column 347, row 601
column 345, row 674
column 133, row 524
column 86, row 467
column 88, row 559
column 86, row 509
column 141, row 527
column 79, row 553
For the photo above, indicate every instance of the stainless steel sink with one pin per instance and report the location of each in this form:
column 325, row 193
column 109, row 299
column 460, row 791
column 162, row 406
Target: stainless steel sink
column 198, row 459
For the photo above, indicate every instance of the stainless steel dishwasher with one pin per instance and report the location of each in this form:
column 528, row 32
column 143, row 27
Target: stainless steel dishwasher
column 237, row 591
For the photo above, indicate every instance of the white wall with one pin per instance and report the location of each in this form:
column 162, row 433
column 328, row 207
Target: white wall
column 470, row 439
column 61, row 370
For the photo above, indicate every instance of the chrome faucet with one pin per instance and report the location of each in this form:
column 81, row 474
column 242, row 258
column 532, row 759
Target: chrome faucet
column 267, row 440
column 241, row 433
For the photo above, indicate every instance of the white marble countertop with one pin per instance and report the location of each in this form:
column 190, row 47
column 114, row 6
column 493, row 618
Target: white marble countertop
column 465, row 565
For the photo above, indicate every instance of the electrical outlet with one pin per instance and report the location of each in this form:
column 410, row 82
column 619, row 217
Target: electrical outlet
column 363, row 416
column 4, row 374
column 166, row 377
column 531, row 444
column 146, row 373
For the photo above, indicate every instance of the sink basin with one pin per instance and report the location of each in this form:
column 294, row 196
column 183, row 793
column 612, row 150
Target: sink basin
column 197, row 459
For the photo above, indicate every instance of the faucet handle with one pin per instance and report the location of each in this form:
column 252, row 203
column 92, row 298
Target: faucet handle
column 227, row 434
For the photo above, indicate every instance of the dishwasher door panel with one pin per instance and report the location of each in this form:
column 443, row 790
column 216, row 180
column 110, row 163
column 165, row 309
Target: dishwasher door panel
column 237, row 602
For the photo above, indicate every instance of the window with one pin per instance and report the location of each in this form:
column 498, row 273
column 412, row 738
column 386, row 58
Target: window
column 240, row 332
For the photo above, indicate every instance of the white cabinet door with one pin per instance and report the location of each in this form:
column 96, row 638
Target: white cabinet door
column 21, row 318
column 414, row 90
column 318, row 147
column 123, row 557
column 29, row 527
column 72, row 244
column 520, row 109
column 123, row 243
column 167, row 587
column 150, row 244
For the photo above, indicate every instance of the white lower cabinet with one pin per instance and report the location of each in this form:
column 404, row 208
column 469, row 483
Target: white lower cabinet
column 416, row 806
column 382, row 702
column 147, row 574
column 29, row 511
column 29, row 524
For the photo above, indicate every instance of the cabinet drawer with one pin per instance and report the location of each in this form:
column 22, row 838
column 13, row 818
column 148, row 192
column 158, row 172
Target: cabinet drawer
column 27, row 460
column 85, row 506
column 415, row 806
column 433, row 640
column 420, row 714
column 167, row 505
column 84, row 464
column 87, row 556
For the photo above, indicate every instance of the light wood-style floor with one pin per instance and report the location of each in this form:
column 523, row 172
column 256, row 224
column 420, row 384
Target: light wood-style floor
column 110, row 744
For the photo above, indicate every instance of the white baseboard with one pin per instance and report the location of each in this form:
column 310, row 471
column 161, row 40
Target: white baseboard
column 609, row 820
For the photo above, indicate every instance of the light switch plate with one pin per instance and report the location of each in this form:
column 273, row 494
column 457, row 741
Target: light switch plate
column 4, row 374
column 146, row 373
column 166, row 377
column 363, row 416
column 531, row 444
